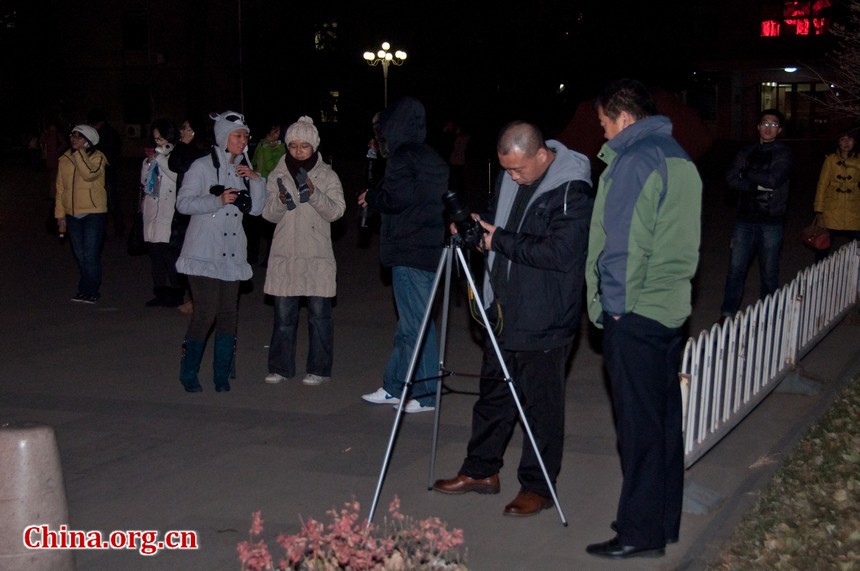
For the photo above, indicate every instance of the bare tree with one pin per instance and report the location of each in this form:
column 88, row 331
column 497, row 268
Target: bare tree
column 844, row 95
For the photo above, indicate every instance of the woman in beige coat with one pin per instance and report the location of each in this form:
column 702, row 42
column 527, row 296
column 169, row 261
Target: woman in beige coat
column 303, row 197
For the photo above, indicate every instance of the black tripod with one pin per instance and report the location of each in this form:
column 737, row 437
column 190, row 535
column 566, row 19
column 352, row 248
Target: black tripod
column 445, row 263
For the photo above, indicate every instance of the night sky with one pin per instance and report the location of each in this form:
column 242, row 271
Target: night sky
column 471, row 60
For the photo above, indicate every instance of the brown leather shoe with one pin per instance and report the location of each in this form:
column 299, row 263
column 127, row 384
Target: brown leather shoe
column 527, row 503
column 462, row 484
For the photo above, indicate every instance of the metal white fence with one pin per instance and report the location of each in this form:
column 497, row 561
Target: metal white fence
column 728, row 369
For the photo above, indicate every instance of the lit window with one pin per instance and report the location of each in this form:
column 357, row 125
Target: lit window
column 796, row 18
column 769, row 29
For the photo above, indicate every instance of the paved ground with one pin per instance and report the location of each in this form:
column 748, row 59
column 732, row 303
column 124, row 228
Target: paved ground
column 140, row 453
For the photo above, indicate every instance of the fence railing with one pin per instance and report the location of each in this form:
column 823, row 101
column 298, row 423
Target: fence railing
column 730, row 368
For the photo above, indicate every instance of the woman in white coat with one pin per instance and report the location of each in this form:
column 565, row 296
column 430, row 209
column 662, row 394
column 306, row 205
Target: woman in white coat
column 216, row 192
column 303, row 197
column 158, row 204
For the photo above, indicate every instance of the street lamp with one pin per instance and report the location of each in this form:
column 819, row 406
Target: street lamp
column 386, row 58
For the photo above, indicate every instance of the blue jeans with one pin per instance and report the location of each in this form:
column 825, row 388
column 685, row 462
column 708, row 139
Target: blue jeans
column 87, row 236
column 412, row 289
column 749, row 239
column 282, row 348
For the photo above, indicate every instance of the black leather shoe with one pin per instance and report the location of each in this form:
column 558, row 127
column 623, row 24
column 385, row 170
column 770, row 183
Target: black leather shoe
column 613, row 549
column 614, row 527
column 462, row 484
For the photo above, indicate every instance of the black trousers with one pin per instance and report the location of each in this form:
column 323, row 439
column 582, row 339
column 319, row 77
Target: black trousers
column 215, row 302
column 539, row 379
column 642, row 357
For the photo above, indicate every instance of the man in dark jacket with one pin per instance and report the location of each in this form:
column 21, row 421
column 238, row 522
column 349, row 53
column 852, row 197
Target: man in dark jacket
column 760, row 175
column 412, row 239
column 537, row 249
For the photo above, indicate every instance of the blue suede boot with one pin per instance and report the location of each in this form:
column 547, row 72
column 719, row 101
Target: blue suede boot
column 224, row 363
column 192, row 354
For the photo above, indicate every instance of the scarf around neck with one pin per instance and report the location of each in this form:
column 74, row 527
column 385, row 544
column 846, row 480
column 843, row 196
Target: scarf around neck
column 294, row 165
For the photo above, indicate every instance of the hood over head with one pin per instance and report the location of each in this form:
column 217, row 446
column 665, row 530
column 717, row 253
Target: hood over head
column 403, row 122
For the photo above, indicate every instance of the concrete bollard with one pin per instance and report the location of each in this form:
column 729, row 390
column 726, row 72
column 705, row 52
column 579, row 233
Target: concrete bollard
column 32, row 492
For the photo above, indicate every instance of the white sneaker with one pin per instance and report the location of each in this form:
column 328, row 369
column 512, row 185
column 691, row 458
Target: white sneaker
column 313, row 380
column 275, row 378
column 380, row 396
column 413, row 406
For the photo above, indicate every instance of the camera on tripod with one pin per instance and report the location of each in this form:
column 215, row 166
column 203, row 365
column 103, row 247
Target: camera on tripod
column 469, row 230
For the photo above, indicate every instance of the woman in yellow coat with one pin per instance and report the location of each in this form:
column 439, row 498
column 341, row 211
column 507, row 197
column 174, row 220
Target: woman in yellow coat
column 837, row 199
column 81, row 207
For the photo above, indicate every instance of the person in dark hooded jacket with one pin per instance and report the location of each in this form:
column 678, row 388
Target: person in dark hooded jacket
column 412, row 238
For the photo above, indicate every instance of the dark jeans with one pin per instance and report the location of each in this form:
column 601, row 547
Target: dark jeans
column 215, row 302
column 642, row 358
column 163, row 257
column 87, row 236
column 539, row 379
column 750, row 239
column 282, row 348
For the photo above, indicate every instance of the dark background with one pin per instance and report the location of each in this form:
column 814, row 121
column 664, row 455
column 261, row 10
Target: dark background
column 478, row 63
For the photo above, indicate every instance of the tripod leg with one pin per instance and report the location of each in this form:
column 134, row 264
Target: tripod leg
column 443, row 334
column 443, row 261
column 510, row 383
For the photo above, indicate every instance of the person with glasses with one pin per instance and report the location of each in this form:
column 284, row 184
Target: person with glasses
column 837, row 198
column 81, row 207
column 536, row 238
column 158, row 203
column 760, row 175
column 304, row 196
column 216, row 192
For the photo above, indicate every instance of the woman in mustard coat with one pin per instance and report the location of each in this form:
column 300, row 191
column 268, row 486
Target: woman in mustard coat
column 837, row 199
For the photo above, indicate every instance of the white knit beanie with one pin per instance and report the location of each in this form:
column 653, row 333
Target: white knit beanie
column 303, row 130
column 226, row 123
column 89, row 133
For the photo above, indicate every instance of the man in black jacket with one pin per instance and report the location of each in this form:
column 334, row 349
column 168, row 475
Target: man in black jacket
column 537, row 247
column 760, row 175
column 412, row 239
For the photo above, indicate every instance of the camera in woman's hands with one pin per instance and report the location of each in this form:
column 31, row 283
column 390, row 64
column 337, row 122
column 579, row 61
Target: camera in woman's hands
column 243, row 201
